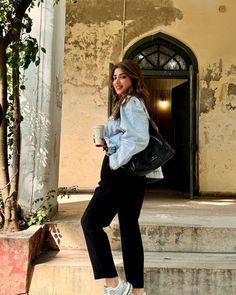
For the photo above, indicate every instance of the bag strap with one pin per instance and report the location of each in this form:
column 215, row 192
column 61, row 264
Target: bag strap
column 152, row 124
column 145, row 109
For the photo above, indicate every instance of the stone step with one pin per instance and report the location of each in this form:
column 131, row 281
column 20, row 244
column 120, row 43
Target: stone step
column 167, row 224
column 68, row 272
column 156, row 235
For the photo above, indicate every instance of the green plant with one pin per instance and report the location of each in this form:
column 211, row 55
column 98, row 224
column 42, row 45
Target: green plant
column 18, row 49
column 42, row 214
column 64, row 195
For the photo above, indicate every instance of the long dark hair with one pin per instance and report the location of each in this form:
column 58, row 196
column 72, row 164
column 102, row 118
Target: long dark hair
column 137, row 89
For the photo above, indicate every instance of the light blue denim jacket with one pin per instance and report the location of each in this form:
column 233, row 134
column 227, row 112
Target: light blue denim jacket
column 127, row 135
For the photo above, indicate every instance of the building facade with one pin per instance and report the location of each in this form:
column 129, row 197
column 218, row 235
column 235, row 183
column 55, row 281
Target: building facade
column 187, row 52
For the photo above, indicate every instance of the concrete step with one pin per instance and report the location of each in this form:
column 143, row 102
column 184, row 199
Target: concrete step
column 68, row 272
column 175, row 224
column 156, row 236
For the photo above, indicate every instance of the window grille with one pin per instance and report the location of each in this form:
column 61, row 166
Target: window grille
column 161, row 56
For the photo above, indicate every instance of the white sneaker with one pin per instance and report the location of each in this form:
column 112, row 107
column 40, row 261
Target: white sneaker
column 123, row 288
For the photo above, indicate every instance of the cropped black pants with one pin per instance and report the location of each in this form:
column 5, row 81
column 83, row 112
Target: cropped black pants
column 117, row 193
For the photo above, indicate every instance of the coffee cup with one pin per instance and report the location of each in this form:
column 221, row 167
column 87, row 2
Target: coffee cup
column 98, row 135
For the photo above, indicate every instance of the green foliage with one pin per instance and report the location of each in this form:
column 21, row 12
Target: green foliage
column 22, row 51
column 64, row 195
column 28, row 52
column 41, row 215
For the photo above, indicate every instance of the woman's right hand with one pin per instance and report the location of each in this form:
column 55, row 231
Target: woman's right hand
column 103, row 145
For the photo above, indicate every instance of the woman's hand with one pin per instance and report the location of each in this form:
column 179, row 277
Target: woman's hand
column 103, row 145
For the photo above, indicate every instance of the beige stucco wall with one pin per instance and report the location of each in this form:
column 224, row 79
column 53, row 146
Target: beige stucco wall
column 99, row 32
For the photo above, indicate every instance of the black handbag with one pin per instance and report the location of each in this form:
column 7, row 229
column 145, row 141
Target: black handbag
column 156, row 154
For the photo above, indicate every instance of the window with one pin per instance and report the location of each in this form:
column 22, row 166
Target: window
column 162, row 56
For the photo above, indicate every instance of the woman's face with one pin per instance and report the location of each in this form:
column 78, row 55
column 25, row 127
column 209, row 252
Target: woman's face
column 121, row 81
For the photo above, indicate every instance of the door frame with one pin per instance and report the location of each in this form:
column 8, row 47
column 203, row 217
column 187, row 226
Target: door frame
column 191, row 73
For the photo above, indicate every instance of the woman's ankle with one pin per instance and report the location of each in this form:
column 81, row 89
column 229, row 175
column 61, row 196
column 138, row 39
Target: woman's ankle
column 138, row 291
column 112, row 282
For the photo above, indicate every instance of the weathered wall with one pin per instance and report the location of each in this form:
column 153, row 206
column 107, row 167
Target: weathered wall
column 99, row 32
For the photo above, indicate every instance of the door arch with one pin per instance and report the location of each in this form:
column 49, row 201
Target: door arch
column 170, row 70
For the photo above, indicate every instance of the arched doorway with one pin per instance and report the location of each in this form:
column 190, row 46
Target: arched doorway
column 170, row 70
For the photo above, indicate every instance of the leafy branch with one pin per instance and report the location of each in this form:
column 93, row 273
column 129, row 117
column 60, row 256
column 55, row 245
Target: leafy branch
column 41, row 215
column 18, row 49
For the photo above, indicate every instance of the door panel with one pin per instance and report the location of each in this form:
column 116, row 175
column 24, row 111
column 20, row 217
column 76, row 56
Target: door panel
column 179, row 175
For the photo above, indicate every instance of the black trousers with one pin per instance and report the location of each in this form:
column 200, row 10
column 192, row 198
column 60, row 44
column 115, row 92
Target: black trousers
column 117, row 193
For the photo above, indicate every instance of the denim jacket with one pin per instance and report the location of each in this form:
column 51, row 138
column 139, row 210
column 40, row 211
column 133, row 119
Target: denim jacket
column 127, row 135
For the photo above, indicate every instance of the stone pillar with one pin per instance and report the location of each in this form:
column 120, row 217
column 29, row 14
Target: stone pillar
column 41, row 110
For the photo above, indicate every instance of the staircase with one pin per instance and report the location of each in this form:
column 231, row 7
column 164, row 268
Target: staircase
column 190, row 249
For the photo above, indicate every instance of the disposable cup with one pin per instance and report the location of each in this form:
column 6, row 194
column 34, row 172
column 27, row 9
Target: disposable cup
column 98, row 135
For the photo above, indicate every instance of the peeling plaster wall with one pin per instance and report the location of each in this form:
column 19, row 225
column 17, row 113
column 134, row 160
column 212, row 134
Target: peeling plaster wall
column 99, row 32
column 218, row 128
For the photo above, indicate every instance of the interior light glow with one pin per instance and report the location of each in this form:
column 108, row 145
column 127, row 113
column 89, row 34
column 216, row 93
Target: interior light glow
column 163, row 104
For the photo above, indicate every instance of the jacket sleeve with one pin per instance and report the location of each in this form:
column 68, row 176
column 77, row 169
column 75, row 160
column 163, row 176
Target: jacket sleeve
column 135, row 132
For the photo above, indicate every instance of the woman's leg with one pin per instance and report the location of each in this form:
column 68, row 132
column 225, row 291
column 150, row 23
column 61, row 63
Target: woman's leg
column 93, row 220
column 132, row 246
column 99, row 214
column 116, row 193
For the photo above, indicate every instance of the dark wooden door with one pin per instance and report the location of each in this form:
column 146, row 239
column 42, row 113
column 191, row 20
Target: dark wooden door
column 179, row 173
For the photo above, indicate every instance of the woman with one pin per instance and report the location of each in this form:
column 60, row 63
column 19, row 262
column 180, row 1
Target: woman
column 126, row 134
